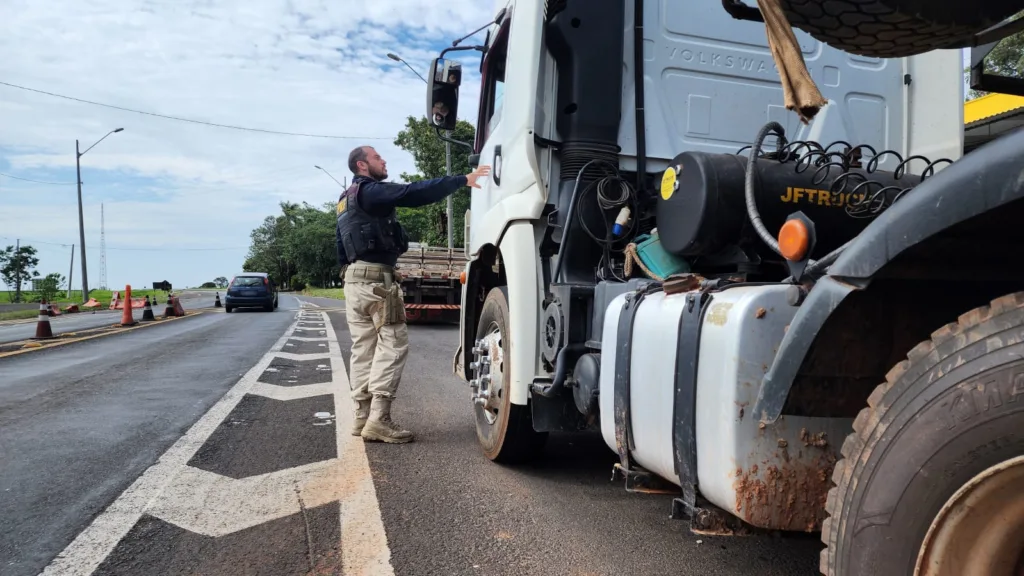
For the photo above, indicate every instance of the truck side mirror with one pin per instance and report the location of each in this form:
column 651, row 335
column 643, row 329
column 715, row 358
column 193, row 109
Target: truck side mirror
column 443, row 93
column 474, row 160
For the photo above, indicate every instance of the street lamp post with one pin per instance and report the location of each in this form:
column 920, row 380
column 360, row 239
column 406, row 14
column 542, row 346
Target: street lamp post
column 332, row 177
column 81, row 219
column 450, row 205
column 398, row 58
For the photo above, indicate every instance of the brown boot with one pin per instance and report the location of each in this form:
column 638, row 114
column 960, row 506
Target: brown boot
column 361, row 414
column 379, row 427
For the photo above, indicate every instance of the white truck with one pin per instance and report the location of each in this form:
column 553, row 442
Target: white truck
column 793, row 327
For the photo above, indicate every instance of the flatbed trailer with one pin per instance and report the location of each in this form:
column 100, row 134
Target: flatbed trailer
column 430, row 282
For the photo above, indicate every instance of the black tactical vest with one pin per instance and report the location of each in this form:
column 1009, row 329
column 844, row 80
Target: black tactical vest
column 362, row 236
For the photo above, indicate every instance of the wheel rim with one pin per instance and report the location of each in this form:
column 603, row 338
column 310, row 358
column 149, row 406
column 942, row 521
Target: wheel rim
column 977, row 532
column 489, row 384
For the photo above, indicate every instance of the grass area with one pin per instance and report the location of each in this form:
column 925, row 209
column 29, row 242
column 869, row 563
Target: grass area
column 19, row 314
column 101, row 296
column 336, row 293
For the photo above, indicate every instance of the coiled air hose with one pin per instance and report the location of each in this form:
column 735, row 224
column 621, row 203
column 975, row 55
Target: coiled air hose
column 813, row 266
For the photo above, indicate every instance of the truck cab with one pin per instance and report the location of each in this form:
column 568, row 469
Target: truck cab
column 668, row 256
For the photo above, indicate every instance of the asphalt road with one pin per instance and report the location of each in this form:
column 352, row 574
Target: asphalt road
column 80, row 423
column 21, row 330
column 219, row 445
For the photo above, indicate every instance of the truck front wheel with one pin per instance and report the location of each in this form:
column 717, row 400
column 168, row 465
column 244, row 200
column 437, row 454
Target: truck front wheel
column 505, row 430
column 931, row 474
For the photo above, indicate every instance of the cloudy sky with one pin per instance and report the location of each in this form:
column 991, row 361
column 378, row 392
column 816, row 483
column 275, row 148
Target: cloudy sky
column 180, row 198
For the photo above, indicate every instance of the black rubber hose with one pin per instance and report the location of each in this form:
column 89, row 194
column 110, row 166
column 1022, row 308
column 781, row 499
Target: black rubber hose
column 561, row 372
column 568, row 219
column 755, row 216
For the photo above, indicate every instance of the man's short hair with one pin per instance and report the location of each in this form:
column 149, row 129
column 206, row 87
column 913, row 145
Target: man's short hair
column 356, row 155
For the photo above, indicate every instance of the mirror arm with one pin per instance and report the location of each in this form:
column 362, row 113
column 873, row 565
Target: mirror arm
column 462, row 49
column 447, row 139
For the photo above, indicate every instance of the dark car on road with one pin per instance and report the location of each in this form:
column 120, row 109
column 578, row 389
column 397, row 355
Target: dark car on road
column 251, row 290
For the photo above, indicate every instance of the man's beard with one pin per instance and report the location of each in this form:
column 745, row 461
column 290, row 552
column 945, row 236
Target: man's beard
column 378, row 175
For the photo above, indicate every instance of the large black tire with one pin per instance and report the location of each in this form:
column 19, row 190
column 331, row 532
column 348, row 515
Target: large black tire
column 511, row 437
column 950, row 411
column 896, row 28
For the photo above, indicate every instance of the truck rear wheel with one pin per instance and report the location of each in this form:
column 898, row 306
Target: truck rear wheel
column 505, row 430
column 895, row 28
column 931, row 473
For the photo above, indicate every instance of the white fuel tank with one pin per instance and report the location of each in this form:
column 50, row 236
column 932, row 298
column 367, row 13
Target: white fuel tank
column 773, row 476
column 652, row 378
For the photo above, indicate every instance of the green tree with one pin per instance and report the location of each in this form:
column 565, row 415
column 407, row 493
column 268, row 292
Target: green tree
column 221, row 282
column 50, row 286
column 428, row 224
column 268, row 245
column 296, row 247
column 311, row 245
column 17, row 265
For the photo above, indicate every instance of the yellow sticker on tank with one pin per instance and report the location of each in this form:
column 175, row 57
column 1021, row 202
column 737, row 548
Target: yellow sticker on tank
column 668, row 183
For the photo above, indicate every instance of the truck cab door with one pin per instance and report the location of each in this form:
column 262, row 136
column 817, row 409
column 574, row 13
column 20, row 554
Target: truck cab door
column 489, row 133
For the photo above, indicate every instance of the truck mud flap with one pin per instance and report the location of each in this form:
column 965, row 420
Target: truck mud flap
column 432, row 313
column 684, row 438
column 623, row 353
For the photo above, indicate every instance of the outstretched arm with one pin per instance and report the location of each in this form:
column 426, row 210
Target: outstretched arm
column 383, row 195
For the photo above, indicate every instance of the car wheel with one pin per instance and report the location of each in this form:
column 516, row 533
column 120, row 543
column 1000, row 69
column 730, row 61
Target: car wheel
column 504, row 430
column 929, row 480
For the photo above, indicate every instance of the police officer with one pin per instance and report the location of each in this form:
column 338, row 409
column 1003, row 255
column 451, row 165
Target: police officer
column 369, row 241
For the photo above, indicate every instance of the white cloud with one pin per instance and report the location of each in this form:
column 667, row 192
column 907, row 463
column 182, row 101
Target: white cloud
column 306, row 66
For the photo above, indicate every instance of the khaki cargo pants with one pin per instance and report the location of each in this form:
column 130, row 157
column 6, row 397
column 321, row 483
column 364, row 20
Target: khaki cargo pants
column 375, row 311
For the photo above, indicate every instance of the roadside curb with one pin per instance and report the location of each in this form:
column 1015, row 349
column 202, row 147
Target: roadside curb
column 57, row 343
column 34, row 319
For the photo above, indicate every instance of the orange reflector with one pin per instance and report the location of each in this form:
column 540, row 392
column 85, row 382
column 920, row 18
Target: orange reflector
column 462, row 277
column 794, row 240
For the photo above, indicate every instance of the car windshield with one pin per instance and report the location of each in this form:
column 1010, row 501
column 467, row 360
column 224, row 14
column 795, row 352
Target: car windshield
column 247, row 281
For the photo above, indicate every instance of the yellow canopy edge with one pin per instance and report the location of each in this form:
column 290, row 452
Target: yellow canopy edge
column 990, row 105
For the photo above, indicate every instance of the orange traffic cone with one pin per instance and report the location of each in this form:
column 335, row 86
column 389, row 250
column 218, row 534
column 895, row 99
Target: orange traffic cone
column 43, row 330
column 127, row 319
column 216, row 303
column 169, row 310
column 147, row 314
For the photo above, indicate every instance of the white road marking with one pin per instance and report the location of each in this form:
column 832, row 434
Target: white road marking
column 214, row 505
column 300, row 357
column 364, row 543
column 292, row 392
column 93, row 544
